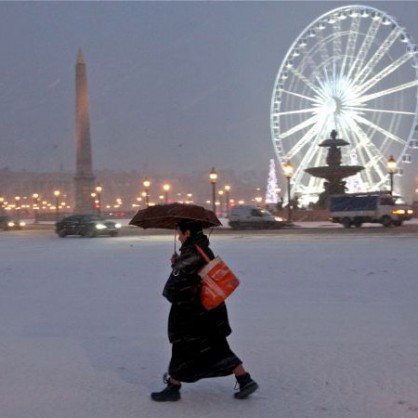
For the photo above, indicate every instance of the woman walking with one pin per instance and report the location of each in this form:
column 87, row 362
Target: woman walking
column 198, row 336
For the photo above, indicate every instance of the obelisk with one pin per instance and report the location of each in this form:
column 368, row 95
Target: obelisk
column 84, row 178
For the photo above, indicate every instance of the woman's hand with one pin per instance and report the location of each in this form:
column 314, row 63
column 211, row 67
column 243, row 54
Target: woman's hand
column 174, row 258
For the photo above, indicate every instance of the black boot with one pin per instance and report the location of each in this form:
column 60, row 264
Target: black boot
column 246, row 386
column 171, row 393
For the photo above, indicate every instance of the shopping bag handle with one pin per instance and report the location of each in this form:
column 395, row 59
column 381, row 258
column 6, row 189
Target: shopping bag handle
column 202, row 253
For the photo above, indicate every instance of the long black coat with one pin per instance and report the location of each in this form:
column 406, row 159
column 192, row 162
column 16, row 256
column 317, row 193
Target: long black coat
column 188, row 319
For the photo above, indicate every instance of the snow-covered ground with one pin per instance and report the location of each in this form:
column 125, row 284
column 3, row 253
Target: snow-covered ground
column 327, row 325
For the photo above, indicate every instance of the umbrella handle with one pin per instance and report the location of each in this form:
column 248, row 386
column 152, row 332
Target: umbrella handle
column 175, row 255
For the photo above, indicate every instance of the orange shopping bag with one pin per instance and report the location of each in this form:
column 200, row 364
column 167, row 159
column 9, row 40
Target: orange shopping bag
column 218, row 281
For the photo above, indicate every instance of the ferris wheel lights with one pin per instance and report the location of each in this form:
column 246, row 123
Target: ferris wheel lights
column 407, row 158
column 331, row 20
column 386, row 21
column 412, row 49
column 404, row 38
column 353, row 13
column 321, row 26
column 311, row 34
column 296, row 53
column 342, row 16
column 289, row 64
column 365, row 13
column 376, row 16
column 413, row 144
column 302, row 43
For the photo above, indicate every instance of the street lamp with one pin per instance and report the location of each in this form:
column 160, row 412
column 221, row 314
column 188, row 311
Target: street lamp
column 57, row 209
column 98, row 202
column 221, row 194
column 166, row 188
column 35, row 197
column 227, row 190
column 139, row 200
column 288, row 172
column 213, row 177
column 147, row 185
column 258, row 199
column 93, row 200
column 392, row 169
column 17, row 206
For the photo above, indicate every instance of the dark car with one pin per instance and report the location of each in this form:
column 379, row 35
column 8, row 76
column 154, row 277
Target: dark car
column 86, row 226
column 7, row 223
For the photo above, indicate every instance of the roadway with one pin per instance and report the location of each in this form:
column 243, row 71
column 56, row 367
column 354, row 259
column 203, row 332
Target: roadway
column 298, row 228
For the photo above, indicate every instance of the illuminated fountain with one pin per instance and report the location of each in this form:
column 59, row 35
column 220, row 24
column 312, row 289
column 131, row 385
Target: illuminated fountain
column 333, row 172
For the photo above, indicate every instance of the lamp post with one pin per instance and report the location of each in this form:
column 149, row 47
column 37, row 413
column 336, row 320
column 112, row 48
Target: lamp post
column 221, row 195
column 98, row 201
column 391, row 168
column 57, row 208
column 139, row 200
column 288, row 172
column 166, row 188
column 93, row 200
column 227, row 190
column 258, row 199
column 147, row 185
column 213, row 176
column 35, row 197
column 17, row 206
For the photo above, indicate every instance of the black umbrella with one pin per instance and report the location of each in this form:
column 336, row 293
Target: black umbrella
column 167, row 216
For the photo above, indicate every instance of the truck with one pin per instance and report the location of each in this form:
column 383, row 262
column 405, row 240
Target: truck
column 253, row 217
column 355, row 209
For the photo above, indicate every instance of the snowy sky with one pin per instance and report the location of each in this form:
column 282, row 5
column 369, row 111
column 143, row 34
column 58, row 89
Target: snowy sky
column 173, row 85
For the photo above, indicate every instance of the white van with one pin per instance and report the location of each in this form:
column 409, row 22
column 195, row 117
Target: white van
column 252, row 217
column 378, row 207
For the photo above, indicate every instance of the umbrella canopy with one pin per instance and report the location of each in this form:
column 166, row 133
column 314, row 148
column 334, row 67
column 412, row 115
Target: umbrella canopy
column 167, row 216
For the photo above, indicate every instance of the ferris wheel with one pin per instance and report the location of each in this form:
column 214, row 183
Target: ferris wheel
column 354, row 69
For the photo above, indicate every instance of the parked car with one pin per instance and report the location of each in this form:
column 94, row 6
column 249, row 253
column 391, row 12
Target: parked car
column 7, row 223
column 252, row 217
column 86, row 226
